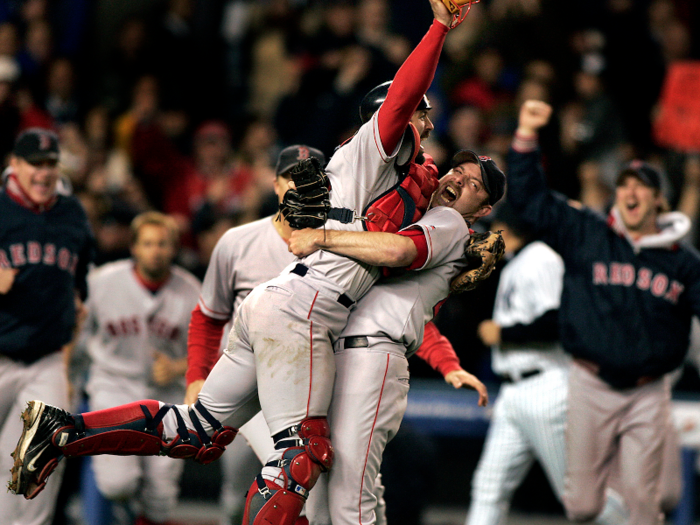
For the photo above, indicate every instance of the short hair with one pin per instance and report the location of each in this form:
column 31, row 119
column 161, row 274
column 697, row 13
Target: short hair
column 154, row 218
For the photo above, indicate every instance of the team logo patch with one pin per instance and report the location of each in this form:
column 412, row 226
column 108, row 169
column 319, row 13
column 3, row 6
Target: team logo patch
column 303, row 153
column 483, row 158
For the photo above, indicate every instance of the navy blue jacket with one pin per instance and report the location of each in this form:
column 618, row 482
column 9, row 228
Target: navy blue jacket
column 52, row 250
column 627, row 309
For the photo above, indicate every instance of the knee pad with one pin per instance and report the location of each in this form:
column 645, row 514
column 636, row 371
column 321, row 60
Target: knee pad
column 301, row 465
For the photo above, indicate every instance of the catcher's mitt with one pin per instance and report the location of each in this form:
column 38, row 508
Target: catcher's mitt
column 483, row 252
column 307, row 206
column 455, row 7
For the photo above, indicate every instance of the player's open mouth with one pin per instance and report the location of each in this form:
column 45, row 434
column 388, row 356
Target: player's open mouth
column 450, row 194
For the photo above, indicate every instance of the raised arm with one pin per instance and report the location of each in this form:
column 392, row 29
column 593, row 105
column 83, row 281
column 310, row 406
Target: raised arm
column 412, row 80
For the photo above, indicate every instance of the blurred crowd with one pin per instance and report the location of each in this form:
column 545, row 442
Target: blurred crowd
column 182, row 106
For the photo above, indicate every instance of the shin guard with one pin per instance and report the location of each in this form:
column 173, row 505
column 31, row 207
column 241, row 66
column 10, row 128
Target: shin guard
column 136, row 429
column 270, row 503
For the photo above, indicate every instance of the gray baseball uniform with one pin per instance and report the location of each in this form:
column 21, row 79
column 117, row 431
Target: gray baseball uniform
column 126, row 324
column 372, row 379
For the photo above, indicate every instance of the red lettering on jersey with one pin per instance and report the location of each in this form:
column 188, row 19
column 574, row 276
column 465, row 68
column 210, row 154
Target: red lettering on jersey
column 659, row 284
column 644, row 278
column 600, row 273
column 74, row 263
column 33, row 252
column 111, row 329
column 17, row 254
column 627, row 274
column 50, row 254
column 4, row 261
column 675, row 291
column 64, row 259
column 615, row 273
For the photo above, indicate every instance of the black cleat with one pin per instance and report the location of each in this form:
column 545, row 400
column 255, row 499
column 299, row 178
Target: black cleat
column 36, row 455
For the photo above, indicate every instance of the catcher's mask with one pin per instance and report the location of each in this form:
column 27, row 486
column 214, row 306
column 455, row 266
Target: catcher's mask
column 376, row 97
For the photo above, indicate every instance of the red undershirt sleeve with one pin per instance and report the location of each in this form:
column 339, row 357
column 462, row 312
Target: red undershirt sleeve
column 203, row 342
column 411, row 82
column 437, row 351
column 418, row 237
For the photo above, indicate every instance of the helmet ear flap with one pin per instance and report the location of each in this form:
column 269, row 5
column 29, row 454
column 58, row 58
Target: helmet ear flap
column 410, row 146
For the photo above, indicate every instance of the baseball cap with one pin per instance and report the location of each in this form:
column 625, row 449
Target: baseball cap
column 291, row 155
column 36, row 144
column 643, row 171
column 493, row 177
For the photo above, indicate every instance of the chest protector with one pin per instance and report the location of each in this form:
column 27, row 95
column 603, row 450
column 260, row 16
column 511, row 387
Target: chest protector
column 408, row 200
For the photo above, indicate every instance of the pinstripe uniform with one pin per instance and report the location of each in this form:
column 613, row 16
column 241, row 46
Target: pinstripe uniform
column 529, row 413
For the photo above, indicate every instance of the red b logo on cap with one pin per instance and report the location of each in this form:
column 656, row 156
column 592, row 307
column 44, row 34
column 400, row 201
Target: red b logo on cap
column 44, row 141
column 303, row 153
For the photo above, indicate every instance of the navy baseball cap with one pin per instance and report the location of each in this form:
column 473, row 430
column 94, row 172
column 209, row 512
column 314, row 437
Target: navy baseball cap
column 291, row 155
column 36, row 145
column 493, row 177
column 643, row 171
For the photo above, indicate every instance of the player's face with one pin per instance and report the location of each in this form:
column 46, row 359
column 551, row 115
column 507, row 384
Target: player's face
column 281, row 186
column 153, row 251
column 422, row 122
column 637, row 204
column 38, row 180
column 462, row 188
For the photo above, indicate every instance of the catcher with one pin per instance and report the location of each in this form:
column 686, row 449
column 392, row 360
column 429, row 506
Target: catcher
column 389, row 322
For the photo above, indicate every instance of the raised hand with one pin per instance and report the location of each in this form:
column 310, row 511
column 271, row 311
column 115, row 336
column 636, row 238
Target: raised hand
column 533, row 115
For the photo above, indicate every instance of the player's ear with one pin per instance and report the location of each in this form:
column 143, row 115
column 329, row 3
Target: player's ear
column 483, row 211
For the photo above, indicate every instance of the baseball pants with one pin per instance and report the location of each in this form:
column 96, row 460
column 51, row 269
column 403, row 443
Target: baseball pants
column 45, row 379
column 369, row 401
column 603, row 423
column 527, row 425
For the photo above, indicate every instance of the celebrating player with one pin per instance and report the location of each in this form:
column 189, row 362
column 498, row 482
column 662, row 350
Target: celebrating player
column 630, row 290
column 244, row 257
column 371, row 388
column 136, row 337
column 45, row 248
column 280, row 352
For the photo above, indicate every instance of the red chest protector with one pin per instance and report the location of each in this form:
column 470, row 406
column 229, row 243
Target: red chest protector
column 408, row 200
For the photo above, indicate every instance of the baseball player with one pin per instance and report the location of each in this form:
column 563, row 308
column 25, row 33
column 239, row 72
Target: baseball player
column 529, row 415
column 243, row 258
column 630, row 290
column 280, row 356
column 372, row 379
column 136, row 338
column 45, row 248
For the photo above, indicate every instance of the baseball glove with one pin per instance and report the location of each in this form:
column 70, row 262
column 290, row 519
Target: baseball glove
column 483, row 252
column 307, row 206
column 455, row 7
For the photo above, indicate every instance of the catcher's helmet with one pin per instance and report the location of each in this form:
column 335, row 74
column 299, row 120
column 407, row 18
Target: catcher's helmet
column 376, row 97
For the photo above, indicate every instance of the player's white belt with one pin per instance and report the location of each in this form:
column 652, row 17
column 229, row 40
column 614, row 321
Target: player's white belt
column 301, row 270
